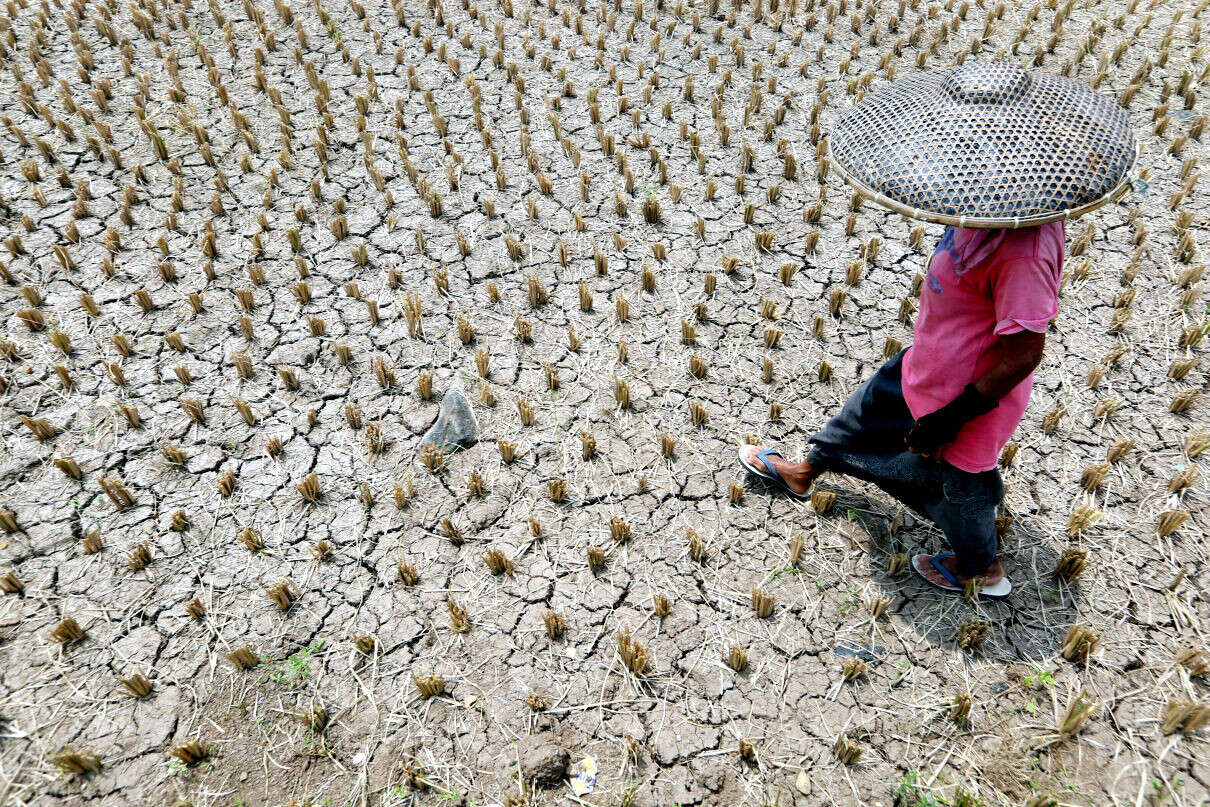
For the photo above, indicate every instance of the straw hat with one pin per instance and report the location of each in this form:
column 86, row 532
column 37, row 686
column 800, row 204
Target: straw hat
column 986, row 144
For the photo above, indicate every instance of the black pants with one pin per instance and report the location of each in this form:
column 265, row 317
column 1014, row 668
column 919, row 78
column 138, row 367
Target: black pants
column 866, row 440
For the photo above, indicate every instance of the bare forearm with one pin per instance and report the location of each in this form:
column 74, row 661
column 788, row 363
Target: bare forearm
column 1019, row 355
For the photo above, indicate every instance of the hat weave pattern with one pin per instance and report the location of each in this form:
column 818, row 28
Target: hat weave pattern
column 986, row 144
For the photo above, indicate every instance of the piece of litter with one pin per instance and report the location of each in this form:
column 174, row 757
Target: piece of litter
column 803, row 782
column 584, row 776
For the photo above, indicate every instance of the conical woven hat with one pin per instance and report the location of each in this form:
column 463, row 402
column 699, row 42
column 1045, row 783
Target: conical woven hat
column 986, row 144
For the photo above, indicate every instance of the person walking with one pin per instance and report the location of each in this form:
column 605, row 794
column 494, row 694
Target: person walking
column 998, row 154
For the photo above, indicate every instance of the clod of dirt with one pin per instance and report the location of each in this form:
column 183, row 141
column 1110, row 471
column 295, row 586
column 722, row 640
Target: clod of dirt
column 542, row 760
column 455, row 424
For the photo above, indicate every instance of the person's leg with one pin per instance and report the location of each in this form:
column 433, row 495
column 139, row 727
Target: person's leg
column 966, row 515
column 874, row 417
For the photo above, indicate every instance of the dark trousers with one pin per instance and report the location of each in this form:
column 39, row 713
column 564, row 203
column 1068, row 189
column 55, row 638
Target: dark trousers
column 866, row 440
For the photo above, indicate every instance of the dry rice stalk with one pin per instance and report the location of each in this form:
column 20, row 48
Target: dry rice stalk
column 554, row 624
column 1193, row 660
column 430, row 686
column 972, row 633
column 847, row 751
column 66, row 631
column 1071, row 564
column 1185, row 716
column 1079, row 643
column 137, row 685
column 309, row 488
column 960, row 709
column 498, row 563
column 75, row 762
column 459, row 620
column 822, row 501
column 1170, row 521
column 762, row 603
column 633, row 654
column 1078, row 710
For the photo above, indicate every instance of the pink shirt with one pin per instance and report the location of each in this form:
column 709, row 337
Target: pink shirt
column 962, row 311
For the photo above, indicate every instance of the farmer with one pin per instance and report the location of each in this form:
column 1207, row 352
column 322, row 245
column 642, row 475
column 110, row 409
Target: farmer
column 929, row 425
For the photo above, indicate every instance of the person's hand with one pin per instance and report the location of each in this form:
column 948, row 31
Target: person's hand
column 932, row 431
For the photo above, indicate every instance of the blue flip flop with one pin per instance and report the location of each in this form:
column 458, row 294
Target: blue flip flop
column 769, row 473
column 997, row 591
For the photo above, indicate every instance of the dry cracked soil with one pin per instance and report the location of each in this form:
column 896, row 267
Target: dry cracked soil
column 248, row 248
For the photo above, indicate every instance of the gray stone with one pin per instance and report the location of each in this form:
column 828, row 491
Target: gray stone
column 455, row 425
column 542, row 760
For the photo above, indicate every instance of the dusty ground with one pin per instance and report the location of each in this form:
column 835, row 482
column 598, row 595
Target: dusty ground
column 258, row 173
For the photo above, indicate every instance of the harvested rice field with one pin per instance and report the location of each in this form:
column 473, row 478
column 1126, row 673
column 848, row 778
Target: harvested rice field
column 250, row 248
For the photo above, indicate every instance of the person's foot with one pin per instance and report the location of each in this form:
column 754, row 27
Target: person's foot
column 798, row 476
column 992, row 575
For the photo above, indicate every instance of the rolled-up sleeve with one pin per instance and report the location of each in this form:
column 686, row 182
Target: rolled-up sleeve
column 1026, row 295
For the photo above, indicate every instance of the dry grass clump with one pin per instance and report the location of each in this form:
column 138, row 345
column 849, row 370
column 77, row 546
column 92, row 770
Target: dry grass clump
column 76, row 763
column 452, row 532
column 972, row 633
column 139, row 557
column 497, row 562
column 309, row 488
column 283, row 594
column 661, row 606
column 459, row 620
column 960, row 709
column 846, row 750
column 137, row 685
column 1071, row 564
column 251, row 539
column 11, row 584
column 1079, row 643
column 1119, row 450
column 1194, row 661
column 243, row 658
column 430, row 686
column 191, row 753
column 1170, row 521
column 762, row 603
column 1079, row 709
column 66, row 631
column 1185, row 716
column 1082, row 518
column 633, row 653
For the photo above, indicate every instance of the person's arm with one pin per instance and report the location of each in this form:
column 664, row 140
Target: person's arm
column 1020, row 354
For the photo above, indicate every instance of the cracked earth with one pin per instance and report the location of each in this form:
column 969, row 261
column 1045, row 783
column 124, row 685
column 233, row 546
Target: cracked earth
column 248, row 248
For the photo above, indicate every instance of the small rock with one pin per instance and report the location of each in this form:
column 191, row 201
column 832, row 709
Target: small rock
column 455, row 425
column 542, row 761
